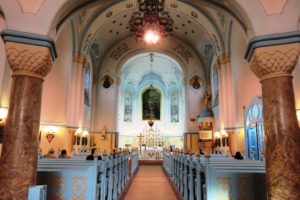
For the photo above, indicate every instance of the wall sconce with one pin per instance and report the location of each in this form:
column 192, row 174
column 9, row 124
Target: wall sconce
column 3, row 115
column 77, row 136
column 217, row 136
column 298, row 115
column 51, row 131
column 224, row 134
column 225, row 140
column 78, row 131
column 84, row 140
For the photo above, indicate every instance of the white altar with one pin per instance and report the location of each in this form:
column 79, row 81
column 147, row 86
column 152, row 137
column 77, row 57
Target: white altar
column 151, row 142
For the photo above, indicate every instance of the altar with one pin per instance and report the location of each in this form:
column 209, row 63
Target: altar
column 151, row 143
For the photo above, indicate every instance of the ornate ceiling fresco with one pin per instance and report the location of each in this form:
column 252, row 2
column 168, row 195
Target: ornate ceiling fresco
column 204, row 26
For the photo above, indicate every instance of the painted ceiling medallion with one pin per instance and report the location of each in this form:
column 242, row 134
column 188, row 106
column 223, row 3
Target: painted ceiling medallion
column 30, row 6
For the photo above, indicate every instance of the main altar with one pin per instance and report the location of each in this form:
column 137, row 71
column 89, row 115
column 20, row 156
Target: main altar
column 151, row 143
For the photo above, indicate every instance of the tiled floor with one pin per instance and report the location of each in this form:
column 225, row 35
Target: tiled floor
column 150, row 183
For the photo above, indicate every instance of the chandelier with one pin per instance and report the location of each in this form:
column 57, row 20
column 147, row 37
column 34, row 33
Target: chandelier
column 150, row 121
column 151, row 21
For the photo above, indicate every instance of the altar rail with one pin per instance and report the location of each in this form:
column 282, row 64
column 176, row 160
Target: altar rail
column 214, row 178
column 82, row 179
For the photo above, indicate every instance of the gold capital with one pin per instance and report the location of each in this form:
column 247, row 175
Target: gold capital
column 79, row 58
column 223, row 59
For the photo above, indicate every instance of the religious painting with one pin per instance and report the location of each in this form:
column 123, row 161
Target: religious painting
column 151, row 101
column 196, row 82
column 107, row 82
column 87, row 82
column 216, row 85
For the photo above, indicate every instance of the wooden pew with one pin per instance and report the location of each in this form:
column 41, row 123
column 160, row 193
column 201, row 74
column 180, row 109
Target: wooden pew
column 216, row 178
column 82, row 179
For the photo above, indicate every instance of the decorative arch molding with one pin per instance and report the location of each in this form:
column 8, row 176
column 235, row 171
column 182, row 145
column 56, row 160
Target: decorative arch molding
column 138, row 48
column 165, row 52
column 254, row 112
column 151, row 76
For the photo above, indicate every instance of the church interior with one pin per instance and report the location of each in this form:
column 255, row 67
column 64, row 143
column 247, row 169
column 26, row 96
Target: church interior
column 170, row 91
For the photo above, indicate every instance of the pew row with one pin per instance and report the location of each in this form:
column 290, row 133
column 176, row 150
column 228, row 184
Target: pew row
column 214, row 178
column 82, row 179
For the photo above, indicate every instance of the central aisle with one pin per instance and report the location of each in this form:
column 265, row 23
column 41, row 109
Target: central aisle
column 150, row 183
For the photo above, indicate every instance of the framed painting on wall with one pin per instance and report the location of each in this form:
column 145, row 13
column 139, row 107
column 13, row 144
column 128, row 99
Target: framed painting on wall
column 151, row 102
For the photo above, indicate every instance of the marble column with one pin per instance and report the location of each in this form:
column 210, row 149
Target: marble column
column 273, row 65
column 30, row 64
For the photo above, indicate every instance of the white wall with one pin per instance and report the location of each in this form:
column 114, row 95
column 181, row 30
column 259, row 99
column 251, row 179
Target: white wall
column 246, row 84
column 55, row 88
column 112, row 66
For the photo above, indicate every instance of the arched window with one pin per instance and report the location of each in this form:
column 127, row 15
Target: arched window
column 151, row 100
column 215, row 86
column 128, row 107
column 87, row 82
column 174, row 108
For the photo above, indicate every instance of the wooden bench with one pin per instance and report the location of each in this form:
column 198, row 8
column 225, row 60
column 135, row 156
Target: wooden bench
column 83, row 179
column 216, row 178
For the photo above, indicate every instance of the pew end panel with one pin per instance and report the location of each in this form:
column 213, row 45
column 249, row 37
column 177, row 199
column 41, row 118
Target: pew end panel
column 227, row 181
column 69, row 180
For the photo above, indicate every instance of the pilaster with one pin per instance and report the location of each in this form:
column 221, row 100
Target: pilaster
column 227, row 109
column 77, row 89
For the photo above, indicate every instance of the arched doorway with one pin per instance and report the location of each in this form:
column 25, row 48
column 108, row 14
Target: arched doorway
column 254, row 129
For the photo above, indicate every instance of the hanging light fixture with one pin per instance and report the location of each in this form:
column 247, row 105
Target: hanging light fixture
column 151, row 21
column 150, row 121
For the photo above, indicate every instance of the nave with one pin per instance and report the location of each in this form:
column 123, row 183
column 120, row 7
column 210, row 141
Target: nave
column 150, row 183
column 215, row 78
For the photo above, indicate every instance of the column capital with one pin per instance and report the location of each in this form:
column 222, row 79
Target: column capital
column 223, row 59
column 275, row 61
column 28, row 60
column 79, row 58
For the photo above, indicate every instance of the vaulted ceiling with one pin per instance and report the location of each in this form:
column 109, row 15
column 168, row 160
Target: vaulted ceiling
column 202, row 25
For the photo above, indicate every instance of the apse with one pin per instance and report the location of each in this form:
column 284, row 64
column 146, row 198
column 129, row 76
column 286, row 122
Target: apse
column 151, row 89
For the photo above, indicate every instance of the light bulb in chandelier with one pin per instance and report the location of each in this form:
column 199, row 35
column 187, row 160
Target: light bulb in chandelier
column 151, row 37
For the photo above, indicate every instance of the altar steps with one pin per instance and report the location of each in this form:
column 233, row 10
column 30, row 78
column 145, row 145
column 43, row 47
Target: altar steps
column 150, row 162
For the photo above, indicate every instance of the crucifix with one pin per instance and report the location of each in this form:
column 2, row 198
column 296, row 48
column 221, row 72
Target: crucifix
column 140, row 141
